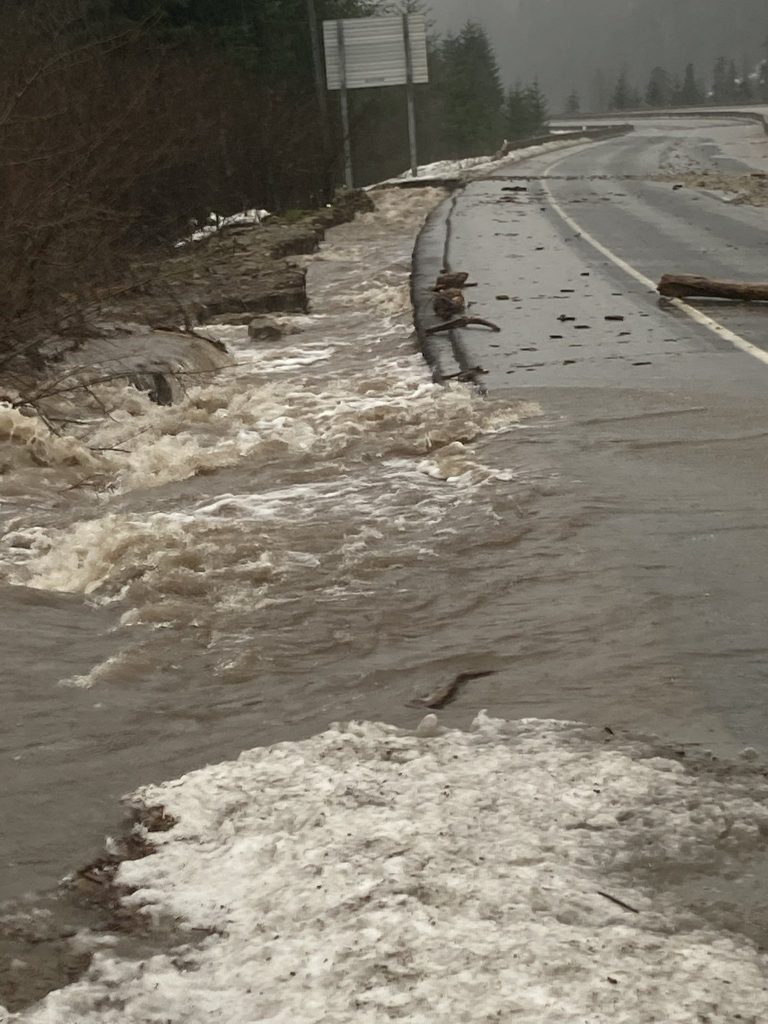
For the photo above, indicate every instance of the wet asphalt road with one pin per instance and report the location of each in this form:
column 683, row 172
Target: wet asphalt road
column 567, row 307
column 656, row 425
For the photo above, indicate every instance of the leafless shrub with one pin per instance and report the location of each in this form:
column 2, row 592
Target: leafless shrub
column 111, row 142
column 83, row 121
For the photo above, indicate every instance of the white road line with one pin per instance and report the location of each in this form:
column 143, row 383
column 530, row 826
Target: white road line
column 690, row 311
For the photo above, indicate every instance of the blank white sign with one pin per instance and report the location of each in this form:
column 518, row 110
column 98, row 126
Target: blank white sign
column 374, row 51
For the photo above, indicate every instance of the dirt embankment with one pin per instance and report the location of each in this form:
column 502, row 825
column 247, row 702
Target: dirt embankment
column 151, row 330
column 47, row 940
column 242, row 269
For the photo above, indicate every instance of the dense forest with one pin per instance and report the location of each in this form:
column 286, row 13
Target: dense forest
column 725, row 84
column 123, row 121
column 584, row 45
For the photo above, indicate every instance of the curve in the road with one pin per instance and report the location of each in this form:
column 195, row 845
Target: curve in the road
column 696, row 315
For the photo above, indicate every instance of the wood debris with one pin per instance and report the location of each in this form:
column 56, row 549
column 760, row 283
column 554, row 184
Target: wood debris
column 463, row 321
column 682, row 286
column 446, row 694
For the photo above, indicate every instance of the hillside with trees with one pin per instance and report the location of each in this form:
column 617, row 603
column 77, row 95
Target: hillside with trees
column 122, row 122
column 724, row 84
column 584, row 45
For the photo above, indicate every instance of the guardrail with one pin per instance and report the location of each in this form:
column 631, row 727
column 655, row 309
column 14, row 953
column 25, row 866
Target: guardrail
column 704, row 112
column 595, row 132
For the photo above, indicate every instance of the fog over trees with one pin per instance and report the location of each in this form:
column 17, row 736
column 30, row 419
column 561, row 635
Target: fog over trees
column 585, row 45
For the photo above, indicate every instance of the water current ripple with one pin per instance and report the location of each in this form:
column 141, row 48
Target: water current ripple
column 265, row 556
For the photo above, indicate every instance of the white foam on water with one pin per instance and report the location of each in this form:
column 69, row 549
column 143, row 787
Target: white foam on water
column 351, row 459
column 212, row 547
column 98, row 674
column 32, row 443
column 277, row 361
column 370, row 874
column 349, row 379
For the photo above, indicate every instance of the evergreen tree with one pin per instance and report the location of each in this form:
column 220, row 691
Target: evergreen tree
column 515, row 113
column 599, row 95
column 744, row 91
column 635, row 99
column 525, row 112
column 471, row 94
column 269, row 36
column 573, row 103
column 720, row 81
column 536, row 109
column 762, row 81
column 658, row 92
column 621, row 98
column 725, row 81
column 691, row 93
column 733, row 82
column 566, row 41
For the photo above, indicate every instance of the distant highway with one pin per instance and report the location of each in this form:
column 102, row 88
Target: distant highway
column 597, row 227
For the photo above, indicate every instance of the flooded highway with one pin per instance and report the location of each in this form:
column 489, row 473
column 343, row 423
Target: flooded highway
column 321, row 532
column 653, row 414
column 270, row 555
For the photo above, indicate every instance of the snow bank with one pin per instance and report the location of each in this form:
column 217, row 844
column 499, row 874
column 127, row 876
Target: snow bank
column 447, row 168
column 216, row 223
column 444, row 170
column 370, row 874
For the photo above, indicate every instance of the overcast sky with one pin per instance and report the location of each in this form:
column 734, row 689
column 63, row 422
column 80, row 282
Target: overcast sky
column 579, row 44
column 448, row 13
column 451, row 14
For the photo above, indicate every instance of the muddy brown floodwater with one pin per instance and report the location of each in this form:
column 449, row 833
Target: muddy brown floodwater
column 319, row 533
column 267, row 556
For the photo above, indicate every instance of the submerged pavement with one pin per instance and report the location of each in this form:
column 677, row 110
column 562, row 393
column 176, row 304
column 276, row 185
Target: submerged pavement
column 654, row 423
column 346, row 538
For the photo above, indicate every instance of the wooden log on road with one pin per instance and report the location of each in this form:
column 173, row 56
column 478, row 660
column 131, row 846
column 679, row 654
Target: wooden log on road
column 683, row 286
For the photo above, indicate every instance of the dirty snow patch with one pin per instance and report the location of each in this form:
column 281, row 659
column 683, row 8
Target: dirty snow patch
column 371, row 874
column 478, row 167
column 216, row 223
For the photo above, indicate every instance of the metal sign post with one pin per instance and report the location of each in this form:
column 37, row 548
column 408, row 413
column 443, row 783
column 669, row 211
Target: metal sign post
column 366, row 53
column 410, row 97
column 348, row 174
column 321, row 92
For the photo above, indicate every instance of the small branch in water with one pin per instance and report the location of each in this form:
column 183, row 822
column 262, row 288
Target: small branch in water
column 618, row 902
column 467, row 284
column 462, row 321
column 467, row 376
column 77, row 423
column 84, row 481
column 444, row 695
column 125, row 440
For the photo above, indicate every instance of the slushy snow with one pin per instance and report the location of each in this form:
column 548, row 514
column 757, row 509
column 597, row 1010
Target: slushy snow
column 479, row 166
column 371, row 874
column 217, row 223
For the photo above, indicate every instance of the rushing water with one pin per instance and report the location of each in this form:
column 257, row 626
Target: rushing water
column 320, row 532
column 248, row 565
